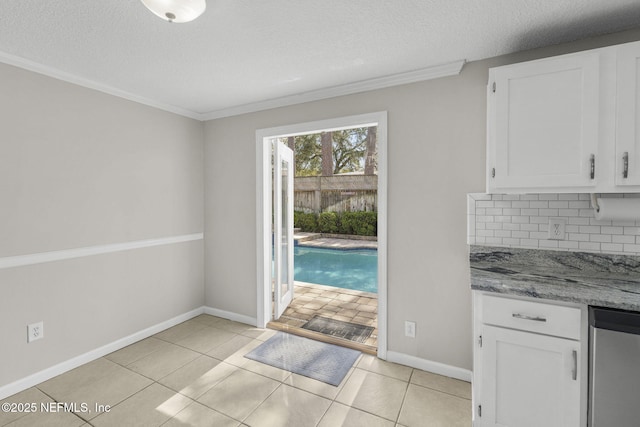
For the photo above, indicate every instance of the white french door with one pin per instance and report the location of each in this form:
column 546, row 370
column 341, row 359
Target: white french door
column 284, row 171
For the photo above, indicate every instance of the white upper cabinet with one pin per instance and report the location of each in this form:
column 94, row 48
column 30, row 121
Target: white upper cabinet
column 545, row 124
column 564, row 124
column 628, row 116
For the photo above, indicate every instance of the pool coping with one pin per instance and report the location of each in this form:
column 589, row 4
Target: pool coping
column 333, row 243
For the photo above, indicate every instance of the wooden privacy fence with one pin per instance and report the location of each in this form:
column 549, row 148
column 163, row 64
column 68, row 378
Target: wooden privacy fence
column 337, row 193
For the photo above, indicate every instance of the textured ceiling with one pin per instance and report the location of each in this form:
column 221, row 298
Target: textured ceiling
column 242, row 52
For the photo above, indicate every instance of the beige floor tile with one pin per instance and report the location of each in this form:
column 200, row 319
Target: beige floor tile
column 133, row 352
column 197, row 377
column 48, row 419
column 100, row 382
column 150, row 407
column 86, row 375
column 197, row 415
column 340, row 415
column 207, row 319
column 259, row 334
column 373, row 393
column 373, row 364
column 427, row 407
column 239, row 394
column 237, row 358
column 317, row 387
column 205, row 340
column 289, row 406
column 225, row 350
column 180, row 331
column 235, row 327
column 160, row 364
column 441, row 383
column 30, row 395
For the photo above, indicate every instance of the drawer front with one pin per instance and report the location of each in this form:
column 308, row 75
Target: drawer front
column 531, row 316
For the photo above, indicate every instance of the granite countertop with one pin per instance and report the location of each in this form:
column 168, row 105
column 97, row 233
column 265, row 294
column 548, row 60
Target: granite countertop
column 585, row 278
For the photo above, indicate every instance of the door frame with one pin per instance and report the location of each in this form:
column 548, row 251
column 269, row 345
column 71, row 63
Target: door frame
column 264, row 208
column 282, row 154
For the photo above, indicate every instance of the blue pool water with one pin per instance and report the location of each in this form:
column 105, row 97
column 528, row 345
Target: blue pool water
column 350, row 269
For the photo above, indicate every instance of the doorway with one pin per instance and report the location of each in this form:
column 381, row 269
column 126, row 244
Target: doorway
column 265, row 206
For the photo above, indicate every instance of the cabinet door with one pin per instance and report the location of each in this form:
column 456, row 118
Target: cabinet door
column 628, row 115
column 543, row 122
column 529, row 380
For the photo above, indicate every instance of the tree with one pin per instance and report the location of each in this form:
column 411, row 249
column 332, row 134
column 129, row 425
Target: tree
column 327, row 160
column 371, row 158
column 308, row 155
column 349, row 148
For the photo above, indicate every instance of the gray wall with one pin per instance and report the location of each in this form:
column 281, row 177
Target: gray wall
column 80, row 168
column 436, row 146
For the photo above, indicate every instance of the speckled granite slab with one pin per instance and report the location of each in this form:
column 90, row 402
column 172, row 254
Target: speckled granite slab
column 585, row 278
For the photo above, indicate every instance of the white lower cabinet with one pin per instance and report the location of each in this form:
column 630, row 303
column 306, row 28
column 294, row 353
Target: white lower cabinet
column 529, row 364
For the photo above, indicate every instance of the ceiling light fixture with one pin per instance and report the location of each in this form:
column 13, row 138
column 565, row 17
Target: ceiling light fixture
column 176, row 10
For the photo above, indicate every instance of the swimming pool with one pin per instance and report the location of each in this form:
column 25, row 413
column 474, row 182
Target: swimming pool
column 355, row 269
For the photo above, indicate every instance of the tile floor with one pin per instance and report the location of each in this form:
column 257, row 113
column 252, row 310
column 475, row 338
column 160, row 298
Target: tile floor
column 194, row 374
column 347, row 305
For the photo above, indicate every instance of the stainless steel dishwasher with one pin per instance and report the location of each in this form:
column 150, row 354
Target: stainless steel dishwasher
column 614, row 368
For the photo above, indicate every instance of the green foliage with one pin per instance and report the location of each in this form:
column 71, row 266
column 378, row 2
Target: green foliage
column 356, row 223
column 359, row 223
column 305, row 221
column 328, row 222
column 349, row 149
column 308, row 154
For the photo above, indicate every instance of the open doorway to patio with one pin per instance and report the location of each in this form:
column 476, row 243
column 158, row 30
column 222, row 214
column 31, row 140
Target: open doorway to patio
column 315, row 301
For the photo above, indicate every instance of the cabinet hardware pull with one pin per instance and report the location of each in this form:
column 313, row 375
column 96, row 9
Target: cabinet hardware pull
column 525, row 317
column 493, row 172
column 574, row 372
column 592, row 161
column 625, row 161
column 493, row 87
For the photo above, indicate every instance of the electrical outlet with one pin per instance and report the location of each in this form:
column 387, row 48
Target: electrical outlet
column 410, row 329
column 35, row 331
column 556, row 228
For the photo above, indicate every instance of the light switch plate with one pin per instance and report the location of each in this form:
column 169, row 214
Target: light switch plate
column 410, row 329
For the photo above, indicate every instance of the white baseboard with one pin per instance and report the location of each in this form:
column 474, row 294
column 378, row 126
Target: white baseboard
column 231, row 316
column 429, row 366
column 24, row 383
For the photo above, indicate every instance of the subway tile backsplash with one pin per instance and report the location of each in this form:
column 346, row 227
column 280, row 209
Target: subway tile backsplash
column 522, row 221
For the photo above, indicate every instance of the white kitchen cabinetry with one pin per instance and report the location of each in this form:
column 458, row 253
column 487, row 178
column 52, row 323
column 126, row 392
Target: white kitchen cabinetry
column 529, row 363
column 563, row 124
column 545, row 124
column 628, row 116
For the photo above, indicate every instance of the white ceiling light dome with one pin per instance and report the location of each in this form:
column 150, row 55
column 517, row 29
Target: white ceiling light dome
column 176, row 10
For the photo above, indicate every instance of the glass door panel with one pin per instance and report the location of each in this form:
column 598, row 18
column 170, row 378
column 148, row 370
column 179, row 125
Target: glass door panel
column 283, row 220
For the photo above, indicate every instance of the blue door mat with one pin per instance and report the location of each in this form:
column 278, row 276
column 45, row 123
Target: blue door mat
column 323, row 362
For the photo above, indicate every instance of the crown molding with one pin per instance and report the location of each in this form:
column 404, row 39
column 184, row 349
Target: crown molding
column 444, row 70
column 55, row 73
